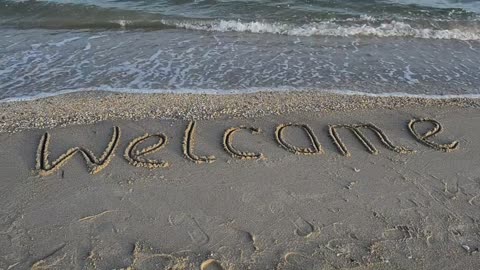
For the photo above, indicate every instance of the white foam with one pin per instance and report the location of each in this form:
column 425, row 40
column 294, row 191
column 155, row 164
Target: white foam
column 63, row 42
column 390, row 29
column 345, row 92
column 123, row 23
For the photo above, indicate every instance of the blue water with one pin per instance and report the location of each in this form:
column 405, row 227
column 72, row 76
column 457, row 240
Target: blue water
column 415, row 47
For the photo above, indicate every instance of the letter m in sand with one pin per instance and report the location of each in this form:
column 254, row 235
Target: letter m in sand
column 356, row 129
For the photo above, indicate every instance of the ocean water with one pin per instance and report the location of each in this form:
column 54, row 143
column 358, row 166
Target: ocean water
column 376, row 47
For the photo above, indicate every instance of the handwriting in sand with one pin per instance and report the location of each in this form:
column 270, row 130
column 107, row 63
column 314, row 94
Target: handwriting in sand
column 138, row 157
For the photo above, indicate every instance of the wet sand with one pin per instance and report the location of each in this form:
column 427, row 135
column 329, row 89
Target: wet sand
column 255, row 182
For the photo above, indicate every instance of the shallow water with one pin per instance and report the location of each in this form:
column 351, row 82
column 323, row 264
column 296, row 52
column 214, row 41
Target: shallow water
column 414, row 47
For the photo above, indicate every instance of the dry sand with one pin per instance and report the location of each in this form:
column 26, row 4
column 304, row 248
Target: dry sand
column 242, row 198
column 95, row 106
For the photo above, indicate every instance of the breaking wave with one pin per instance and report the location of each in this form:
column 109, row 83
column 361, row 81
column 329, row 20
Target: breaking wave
column 390, row 29
column 456, row 24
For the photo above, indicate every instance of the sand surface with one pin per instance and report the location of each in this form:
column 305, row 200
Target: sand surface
column 94, row 106
column 261, row 191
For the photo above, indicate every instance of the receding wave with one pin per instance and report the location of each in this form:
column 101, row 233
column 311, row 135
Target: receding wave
column 390, row 29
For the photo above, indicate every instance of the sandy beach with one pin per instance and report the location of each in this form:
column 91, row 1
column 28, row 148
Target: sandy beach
column 258, row 181
column 239, row 135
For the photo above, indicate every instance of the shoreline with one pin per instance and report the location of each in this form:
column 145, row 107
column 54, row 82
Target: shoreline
column 248, row 91
column 94, row 106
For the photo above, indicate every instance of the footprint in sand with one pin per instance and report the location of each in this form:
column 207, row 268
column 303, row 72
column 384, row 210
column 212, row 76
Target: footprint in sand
column 190, row 225
column 400, row 233
column 147, row 258
column 211, row 264
column 295, row 260
column 302, row 227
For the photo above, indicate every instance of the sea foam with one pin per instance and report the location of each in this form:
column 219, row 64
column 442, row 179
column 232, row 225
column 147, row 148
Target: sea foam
column 330, row 28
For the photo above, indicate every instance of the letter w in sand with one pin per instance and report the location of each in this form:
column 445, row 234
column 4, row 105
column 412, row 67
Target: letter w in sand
column 355, row 129
column 94, row 164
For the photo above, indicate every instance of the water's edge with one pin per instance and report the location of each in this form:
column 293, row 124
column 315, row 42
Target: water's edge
column 213, row 92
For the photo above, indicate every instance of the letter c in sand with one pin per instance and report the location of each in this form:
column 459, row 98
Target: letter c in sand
column 233, row 151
